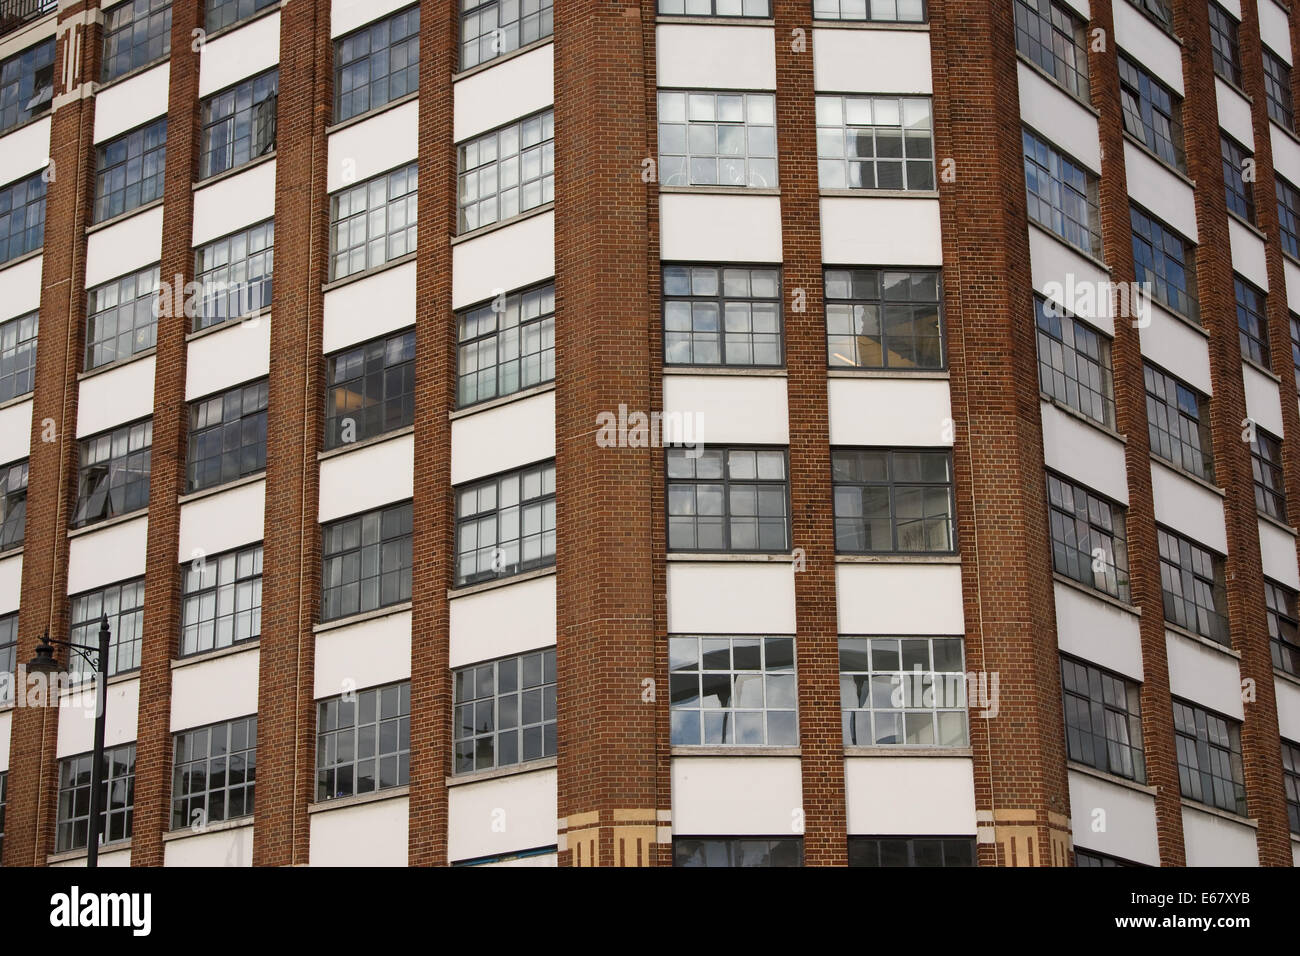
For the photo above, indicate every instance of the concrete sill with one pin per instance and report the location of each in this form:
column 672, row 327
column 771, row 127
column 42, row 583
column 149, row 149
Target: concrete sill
column 1190, row 804
column 1119, row 781
column 468, row 589
column 503, row 223
column 735, row 751
column 1065, row 245
column 1267, row 519
column 16, row 260
column 367, row 273
column 232, row 172
column 496, row 773
column 719, row 190
column 749, row 371
column 69, row 855
column 190, row 660
column 1102, row 596
column 898, row 559
column 218, row 489
column 729, row 557
column 1259, row 233
column 1262, row 369
column 232, row 27
column 386, row 611
column 16, row 400
column 11, row 553
column 716, row 21
column 122, row 217
column 1164, row 163
column 1081, row 417
column 252, row 320
column 224, row 825
column 488, row 64
column 117, row 363
column 864, row 193
column 1171, row 628
column 339, row 803
column 367, row 443
column 371, row 113
column 1195, row 479
column 868, row 25
column 501, row 400
column 101, row 85
column 897, row 374
column 1057, row 84
column 108, row 523
column 905, row 750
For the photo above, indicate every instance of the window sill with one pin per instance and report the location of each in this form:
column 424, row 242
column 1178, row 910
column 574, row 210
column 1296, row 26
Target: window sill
column 102, row 85
column 1156, row 157
column 720, row 190
column 19, row 260
column 1195, row 479
column 1262, row 369
column 519, row 396
column 1073, row 248
column 108, row 522
column 744, row 371
column 1267, row 519
column 371, row 113
column 488, row 64
column 252, row 18
column 1279, row 674
column 716, row 21
column 869, row 25
column 739, row 750
column 367, row 443
column 232, row 172
column 11, row 553
column 16, row 400
column 467, row 589
column 496, row 773
column 190, row 660
column 116, row 364
column 503, row 223
column 86, row 684
column 1159, row 25
column 123, row 216
column 218, row 489
column 1085, row 419
column 1056, row 84
column 1241, row 220
column 1190, row 804
column 30, row 121
column 68, row 856
column 898, row 559
column 1290, row 134
column 356, row 800
column 1111, row 778
column 1172, row 628
column 367, row 273
column 1102, row 596
column 889, row 373
column 386, row 611
column 863, row 193
column 237, row 824
column 728, row 557
column 252, row 320
column 1193, row 324
column 906, row 750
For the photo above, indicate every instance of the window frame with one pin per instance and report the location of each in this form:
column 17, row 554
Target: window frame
column 904, row 678
column 468, row 707
column 465, row 173
column 226, row 291
column 479, row 8
column 893, row 485
column 945, row 845
column 726, row 482
column 121, row 809
column 1282, row 613
column 268, row 81
column 1155, row 432
column 1073, row 78
column 127, row 464
column 22, row 351
column 1059, row 174
column 404, row 544
column 125, row 637
column 540, row 501
column 194, row 592
column 406, row 43
column 1288, row 215
column 28, row 74
column 1188, row 574
column 135, row 60
column 1268, row 475
column 104, row 208
column 867, row 15
column 1225, row 45
column 525, row 328
column 29, row 238
column 183, row 800
column 1072, row 357
column 1252, row 321
column 13, row 504
column 140, row 337
column 763, row 675
column 358, row 385
column 8, row 656
column 1160, row 280
column 1241, row 201
column 721, row 299
column 1203, row 749
column 734, row 844
column 688, row 156
column 1102, row 716
column 405, row 202
column 211, row 6
column 400, row 754
column 853, row 132
column 1290, row 783
column 1116, row 536
column 259, row 391
column 880, row 303
column 1142, row 89
column 1278, row 98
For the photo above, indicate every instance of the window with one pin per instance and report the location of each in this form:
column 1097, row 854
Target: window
column 728, row 499
column 892, row 501
column 883, row 11
column 18, row 356
column 214, row 771
column 506, row 525
column 504, row 711
column 363, row 742
column 222, row 13
column 1226, row 49
column 911, row 851
column 1103, row 719
column 1091, row 858
column 907, row 691
column 1283, row 626
column 1159, row 10
column 717, row 139
column 122, row 318
column 1052, row 36
column 733, row 691
column 1152, row 113
column 872, row 142
column 1252, row 322
column 1074, row 363
column 489, row 28
column 123, row 604
column 116, row 798
column 227, row 437
column 1277, row 90
column 1295, row 348
column 507, row 171
column 1266, row 464
column 1209, row 757
column 129, row 170
column 505, row 345
column 377, row 64
column 221, row 603
column 737, row 851
column 1290, row 781
column 113, row 478
column 366, row 561
column 1191, row 579
column 1178, row 423
column 370, row 389
column 13, row 504
column 22, row 217
column 722, row 315
column 26, row 85
column 8, row 655
column 374, row 222
column 238, row 124
column 1165, row 262
column 1062, row 195
column 235, row 274
column 1240, row 193
column 1288, row 216
column 136, row 33
column 878, row 318
column 1083, row 523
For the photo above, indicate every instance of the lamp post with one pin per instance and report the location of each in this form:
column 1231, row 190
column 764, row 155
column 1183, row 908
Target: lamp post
column 44, row 663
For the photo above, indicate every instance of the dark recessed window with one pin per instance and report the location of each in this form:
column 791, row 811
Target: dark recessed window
column 506, row 172
column 377, row 64
column 504, row 711
column 506, row 345
column 737, row 851
column 26, row 85
column 908, row 691
column 1054, row 37
column 1178, row 423
column 893, row 500
column 227, row 438
column 880, row 11
column 722, row 315
column 1266, row 467
column 1252, row 321
column 238, row 124
column 22, row 217
column 1239, row 192
column 129, row 170
column 221, row 600
column 373, row 222
column 116, row 798
column 489, row 28
column 136, row 33
column 123, row 604
column 1165, row 262
column 1087, row 532
column 214, row 770
column 222, row 13
column 1192, row 581
column 911, row 851
column 1103, row 719
column 8, row 654
column 1288, row 216
column 13, row 504
column 737, row 691
column 506, row 525
column 366, row 561
column 122, row 318
column 1062, row 195
column 1225, row 47
column 1283, row 626
column 1290, row 782
column 1209, row 757
column 1161, row 11
column 728, row 499
column 235, row 274
column 1277, row 90
column 363, row 742
column 1074, row 363
column 1152, row 113
column 370, row 390
column 877, row 318
column 1091, row 858
column 113, row 474
column 18, row 356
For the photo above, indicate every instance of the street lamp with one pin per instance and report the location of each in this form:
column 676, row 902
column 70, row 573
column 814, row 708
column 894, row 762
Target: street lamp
column 43, row 663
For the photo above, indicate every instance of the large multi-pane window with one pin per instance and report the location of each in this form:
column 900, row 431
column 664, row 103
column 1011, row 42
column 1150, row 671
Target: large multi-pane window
column 918, row 851
column 1178, row 423
column 13, row 504
column 1266, row 468
column 1062, row 195
column 908, row 691
column 1288, row 216
column 1054, row 37
column 136, row 33
column 113, row 474
column 1161, row 11
column 214, row 772
column 1192, row 583
column 1074, row 363
column 1087, row 533
column 1103, row 719
column 738, row 851
column 506, row 525
column 1152, row 113
column 222, row 13
column 892, row 500
column 366, row 561
column 363, row 741
column 123, row 604
column 227, row 436
column 883, row 319
column 373, row 222
column 370, row 389
column 1252, row 321
column 728, row 499
column 879, row 11
column 26, row 85
column 1165, row 262
column 505, row 345
column 489, row 28
column 1209, row 757
column 1277, row 90
column 129, row 170
column 1091, row 859
column 122, row 318
column 1224, row 44
column 873, row 142
column 709, row 138
column 737, row 691
column 1238, row 190
column 377, row 64
column 116, row 798
column 715, row 8
column 1283, row 626
column 507, row 171
column 22, row 216
column 234, row 273
column 1295, row 348
column 8, row 654
column 1290, row 783
column 18, row 355
column 221, row 600
column 238, row 124
column 504, row 712
column 722, row 315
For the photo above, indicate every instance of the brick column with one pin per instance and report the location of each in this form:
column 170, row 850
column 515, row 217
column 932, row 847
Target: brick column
column 33, row 777
column 1021, row 788
column 286, row 725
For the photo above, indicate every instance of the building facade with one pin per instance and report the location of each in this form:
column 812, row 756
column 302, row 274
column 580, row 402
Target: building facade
column 685, row 432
